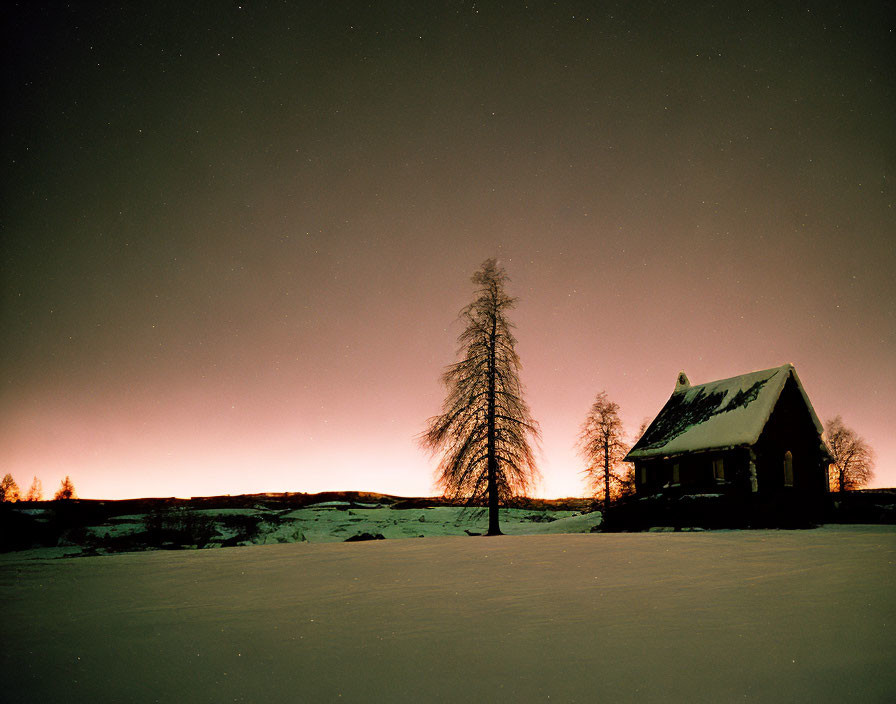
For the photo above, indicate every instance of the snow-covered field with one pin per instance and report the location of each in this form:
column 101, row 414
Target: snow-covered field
column 334, row 521
column 331, row 521
column 762, row 616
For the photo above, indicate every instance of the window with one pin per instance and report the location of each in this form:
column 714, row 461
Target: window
column 676, row 474
column 718, row 469
column 788, row 468
column 643, row 475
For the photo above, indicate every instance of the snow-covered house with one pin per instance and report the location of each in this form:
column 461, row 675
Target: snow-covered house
column 754, row 434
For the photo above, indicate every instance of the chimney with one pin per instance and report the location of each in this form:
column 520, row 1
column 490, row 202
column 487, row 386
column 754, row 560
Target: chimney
column 682, row 383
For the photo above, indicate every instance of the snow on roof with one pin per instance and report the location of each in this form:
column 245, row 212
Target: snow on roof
column 716, row 415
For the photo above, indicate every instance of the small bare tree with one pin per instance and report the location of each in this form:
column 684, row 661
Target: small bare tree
column 9, row 490
column 35, row 491
column 602, row 445
column 853, row 459
column 645, row 423
column 485, row 427
column 66, row 490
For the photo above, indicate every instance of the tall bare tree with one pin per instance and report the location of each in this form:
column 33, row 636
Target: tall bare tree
column 602, row 446
column 9, row 490
column 485, row 428
column 853, row 459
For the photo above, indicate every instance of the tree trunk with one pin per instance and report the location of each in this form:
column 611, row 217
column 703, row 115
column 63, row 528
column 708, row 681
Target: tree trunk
column 493, row 526
column 606, row 474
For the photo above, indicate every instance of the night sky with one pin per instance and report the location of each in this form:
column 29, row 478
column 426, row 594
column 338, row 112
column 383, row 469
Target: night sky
column 236, row 237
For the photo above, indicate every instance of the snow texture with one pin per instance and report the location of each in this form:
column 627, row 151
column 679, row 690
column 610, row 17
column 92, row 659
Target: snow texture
column 751, row 616
column 717, row 415
column 334, row 521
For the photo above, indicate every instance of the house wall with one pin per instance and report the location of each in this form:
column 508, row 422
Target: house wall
column 790, row 428
column 695, row 473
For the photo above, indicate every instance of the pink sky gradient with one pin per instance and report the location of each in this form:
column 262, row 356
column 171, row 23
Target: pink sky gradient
column 236, row 244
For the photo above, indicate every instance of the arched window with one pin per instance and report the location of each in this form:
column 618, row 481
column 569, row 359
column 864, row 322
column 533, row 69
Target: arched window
column 788, row 468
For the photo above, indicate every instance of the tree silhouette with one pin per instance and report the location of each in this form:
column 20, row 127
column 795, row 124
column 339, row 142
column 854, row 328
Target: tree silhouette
column 35, row 492
column 9, row 490
column 484, row 431
column 853, row 458
column 66, row 490
column 602, row 446
column 645, row 423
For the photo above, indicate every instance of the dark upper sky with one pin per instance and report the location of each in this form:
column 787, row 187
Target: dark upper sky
column 236, row 236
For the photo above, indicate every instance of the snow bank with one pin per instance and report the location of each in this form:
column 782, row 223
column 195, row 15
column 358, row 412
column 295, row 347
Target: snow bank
column 762, row 616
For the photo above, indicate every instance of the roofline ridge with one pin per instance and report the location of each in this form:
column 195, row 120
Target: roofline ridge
column 788, row 366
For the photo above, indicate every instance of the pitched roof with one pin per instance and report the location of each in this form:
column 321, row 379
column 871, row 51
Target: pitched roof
column 717, row 415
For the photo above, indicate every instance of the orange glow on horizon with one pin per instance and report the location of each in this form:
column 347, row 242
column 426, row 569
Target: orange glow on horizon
column 227, row 269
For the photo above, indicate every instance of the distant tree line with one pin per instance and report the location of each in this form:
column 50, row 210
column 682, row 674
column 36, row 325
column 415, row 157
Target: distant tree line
column 9, row 490
column 485, row 431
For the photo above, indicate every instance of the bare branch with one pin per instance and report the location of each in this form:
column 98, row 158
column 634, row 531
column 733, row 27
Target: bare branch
column 602, row 447
column 853, row 466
